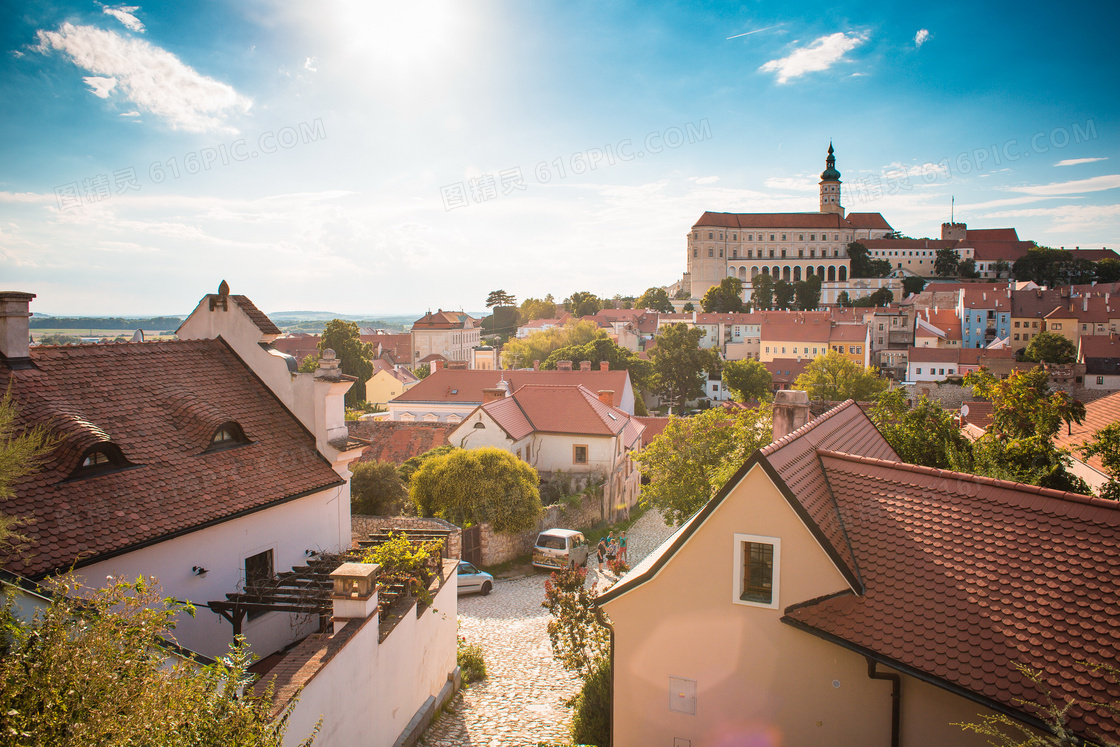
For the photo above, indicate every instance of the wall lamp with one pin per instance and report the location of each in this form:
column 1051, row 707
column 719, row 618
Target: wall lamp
column 199, row 570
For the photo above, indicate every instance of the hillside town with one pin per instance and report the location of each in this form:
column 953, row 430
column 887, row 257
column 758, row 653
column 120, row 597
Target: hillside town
column 940, row 414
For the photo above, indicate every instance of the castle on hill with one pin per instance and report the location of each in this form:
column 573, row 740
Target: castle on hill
column 790, row 246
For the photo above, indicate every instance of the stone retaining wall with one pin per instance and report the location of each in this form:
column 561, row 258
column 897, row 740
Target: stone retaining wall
column 499, row 548
column 363, row 526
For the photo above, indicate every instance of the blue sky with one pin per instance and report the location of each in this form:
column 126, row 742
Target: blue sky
column 365, row 157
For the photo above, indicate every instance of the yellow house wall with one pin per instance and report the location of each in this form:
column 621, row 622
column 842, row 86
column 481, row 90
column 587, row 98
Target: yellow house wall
column 382, row 387
column 758, row 681
column 786, row 348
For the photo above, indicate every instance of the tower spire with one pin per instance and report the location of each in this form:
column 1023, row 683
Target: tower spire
column 830, row 185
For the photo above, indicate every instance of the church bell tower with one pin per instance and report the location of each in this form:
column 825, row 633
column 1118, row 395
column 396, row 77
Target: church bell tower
column 830, row 186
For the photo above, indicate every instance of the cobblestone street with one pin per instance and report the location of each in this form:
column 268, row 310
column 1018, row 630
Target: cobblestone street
column 521, row 701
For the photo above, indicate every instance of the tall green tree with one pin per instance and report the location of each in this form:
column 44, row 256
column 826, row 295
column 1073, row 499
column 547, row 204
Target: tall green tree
column 1050, row 347
column 537, row 346
column 536, row 308
column 911, row 285
column 1106, row 445
column 475, row 486
column 355, row 357
column 602, row 348
column 1053, row 267
column 655, row 299
column 96, row 672
column 376, row 489
column 747, row 379
column 946, row 261
column 924, row 434
column 762, row 291
column 680, row 365
column 967, row 269
column 1108, row 271
column 862, row 266
column 783, row 294
column 500, row 298
column 725, row 298
column 808, row 292
column 693, row 457
column 583, row 303
column 1026, row 415
column 833, row 378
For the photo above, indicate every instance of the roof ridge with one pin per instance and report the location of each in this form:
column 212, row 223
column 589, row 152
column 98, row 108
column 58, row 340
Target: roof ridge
column 813, row 422
column 1062, row 495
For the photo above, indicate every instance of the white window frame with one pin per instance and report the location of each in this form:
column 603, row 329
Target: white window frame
column 737, row 570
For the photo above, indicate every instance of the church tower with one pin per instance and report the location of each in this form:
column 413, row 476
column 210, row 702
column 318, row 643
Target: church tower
column 830, row 186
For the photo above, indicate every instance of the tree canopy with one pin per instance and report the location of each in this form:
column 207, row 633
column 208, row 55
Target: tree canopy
column 1050, row 347
column 96, row 672
column 1108, row 271
column 911, row 285
column 693, row 457
column 679, row 365
column 747, row 379
column 538, row 345
column 1053, row 267
column 376, row 489
column 946, row 262
column 862, row 266
column 655, row 299
column 500, row 298
column 1026, row 415
column 602, row 348
column 583, row 303
column 476, row 486
column 1106, row 445
column 924, row 434
column 355, row 357
column 536, row 308
column 725, row 298
column 833, row 378
column 808, row 292
column 762, row 291
column 783, row 294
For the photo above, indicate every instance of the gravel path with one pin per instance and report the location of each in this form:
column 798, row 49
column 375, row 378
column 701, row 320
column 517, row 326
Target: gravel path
column 521, row 701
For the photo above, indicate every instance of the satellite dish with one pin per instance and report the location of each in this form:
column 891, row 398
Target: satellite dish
column 964, row 411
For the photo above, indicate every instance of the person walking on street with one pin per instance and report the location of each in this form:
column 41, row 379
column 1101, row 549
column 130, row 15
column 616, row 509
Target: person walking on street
column 601, row 551
column 622, row 554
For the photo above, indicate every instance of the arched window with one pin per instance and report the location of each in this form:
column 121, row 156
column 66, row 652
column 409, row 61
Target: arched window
column 754, row 272
column 765, row 270
column 785, row 273
column 100, row 459
column 796, row 274
column 227, row 435
column 820, row 272
column 742, row 273
column 831, row 274
column 843, row 274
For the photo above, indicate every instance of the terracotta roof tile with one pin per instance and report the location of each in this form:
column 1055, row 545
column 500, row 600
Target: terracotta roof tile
column 264, row 324
column 771, row 220
column 966, row 576
column 447, row 385
column 557, row 409
column 160, row 403
column 392, row 441
column 1098, row 414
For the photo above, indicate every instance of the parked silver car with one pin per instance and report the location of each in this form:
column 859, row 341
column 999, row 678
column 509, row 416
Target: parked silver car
column 560, row 548
column 471, row 579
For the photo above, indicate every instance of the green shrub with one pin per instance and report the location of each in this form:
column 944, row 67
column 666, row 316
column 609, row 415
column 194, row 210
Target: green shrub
column 469, row 658
column 591, row 720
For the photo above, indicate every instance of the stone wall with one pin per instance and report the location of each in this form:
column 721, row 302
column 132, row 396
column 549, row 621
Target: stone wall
column 582, row 514
column 363, row 526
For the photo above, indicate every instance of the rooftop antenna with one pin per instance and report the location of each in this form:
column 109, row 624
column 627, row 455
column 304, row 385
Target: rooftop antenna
column 953, row 209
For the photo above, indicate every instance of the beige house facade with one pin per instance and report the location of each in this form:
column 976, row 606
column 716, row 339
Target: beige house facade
column 831, row 595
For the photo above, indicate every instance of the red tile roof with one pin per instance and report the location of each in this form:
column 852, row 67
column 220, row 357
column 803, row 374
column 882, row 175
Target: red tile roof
column 848, row 333
column 786, row 370
column 966, row 576
column 793, row 330
column 574, row 409
column 992, row 234
column 989, row 251
column 160, row 403
column 1099, row 346
column 1098, row 414
column 934, row 355
column 869, row 220
column 264, row 324
column 979, row 414
column 930, row 244
column 654, row 426
column 443, row 320
column 391, row 441
column 775, row 221
column 466, row 386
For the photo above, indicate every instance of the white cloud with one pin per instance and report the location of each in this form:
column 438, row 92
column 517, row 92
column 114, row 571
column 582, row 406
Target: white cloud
column 1081, row 186
column 1067, row 218
column 151, row 78
column 1079, row 161
column 921, row 37
column 704, row 179
column 130, row 114
column 124, row 14
column 100, row 87
column 820, row 55
column 309, row 63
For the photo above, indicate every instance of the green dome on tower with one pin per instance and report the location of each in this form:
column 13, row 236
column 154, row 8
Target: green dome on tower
column 830, row 174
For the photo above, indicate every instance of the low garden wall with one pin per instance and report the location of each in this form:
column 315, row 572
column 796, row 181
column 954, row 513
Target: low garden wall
column 362, row 526
column 584, row 511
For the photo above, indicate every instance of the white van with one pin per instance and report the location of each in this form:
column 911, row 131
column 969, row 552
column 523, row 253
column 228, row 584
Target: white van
column 560, row 548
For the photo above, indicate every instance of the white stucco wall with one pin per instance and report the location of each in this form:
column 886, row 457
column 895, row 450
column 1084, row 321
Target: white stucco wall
column 368, row 692
column 320, row 521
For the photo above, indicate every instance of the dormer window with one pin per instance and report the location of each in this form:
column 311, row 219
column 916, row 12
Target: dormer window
column 99, row 459
column 227, row 435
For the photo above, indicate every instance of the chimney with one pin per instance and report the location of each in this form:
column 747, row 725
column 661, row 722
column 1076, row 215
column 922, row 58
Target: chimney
column 15, row 333
column 604, row 365
column 1084, row 303
column 490, row 394
column 564, row 366
column 585, row 365
column 791, row 411
column 536, row 365
column 435, row 365
column 606, row 396
column 328, row 367
column 354, row 591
